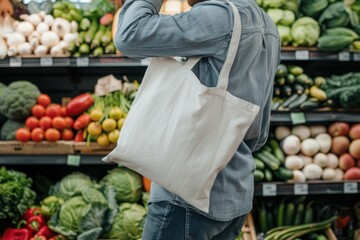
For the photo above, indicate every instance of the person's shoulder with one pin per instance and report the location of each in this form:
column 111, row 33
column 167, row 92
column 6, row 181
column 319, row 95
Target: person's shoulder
column 219, row 6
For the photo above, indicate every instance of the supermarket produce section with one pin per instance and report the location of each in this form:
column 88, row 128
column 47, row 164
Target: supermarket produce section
column 65, row 92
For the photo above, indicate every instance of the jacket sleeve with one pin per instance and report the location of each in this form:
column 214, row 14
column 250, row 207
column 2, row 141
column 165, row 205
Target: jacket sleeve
column 143, row 32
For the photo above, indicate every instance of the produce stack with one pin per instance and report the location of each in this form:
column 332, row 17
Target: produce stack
column 294, row 89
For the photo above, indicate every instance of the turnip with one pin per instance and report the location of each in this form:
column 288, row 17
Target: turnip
column 294, row 162
column 321, row 159
column 309, row 147
column 313, row 172
column 291, row 145
column 329, row 174
column 301, row 131
column 333, row 160
column 324, row 140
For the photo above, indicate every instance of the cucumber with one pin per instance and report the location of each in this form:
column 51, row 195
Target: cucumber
column 279, row 154
column 262, row 219
column 289, row 214
column 259, row 164
column 299, row 214
column 266, row 148
column 268, row 175
column 269, row 163
column 258, row 175
column 295, row 104
column 271, row 156
column 310, row 104
column 283, row 174
column 281, row 212
column 288, row 101
column 286, row 90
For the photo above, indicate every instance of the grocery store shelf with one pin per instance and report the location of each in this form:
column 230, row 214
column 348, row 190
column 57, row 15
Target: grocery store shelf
column 106, row 61
column 321, row 117
column 51, row 160
column 313, row 54
column 308, row 188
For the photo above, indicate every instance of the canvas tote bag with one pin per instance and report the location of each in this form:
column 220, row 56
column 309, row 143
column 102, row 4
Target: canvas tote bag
column 180, row 133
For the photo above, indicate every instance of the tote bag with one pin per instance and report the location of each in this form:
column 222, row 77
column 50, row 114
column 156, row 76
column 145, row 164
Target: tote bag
column 180, row 133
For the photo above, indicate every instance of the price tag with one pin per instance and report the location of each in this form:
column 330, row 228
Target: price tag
column 46, row 61
column 145, row 62
column 82, row 62
column 269, row 189
column 15, row 62
column 297, row 118
column 302, row 55
column 344, row 56
column 350, row 187
column 73, row 160
column 356, row 56
column 301, row 189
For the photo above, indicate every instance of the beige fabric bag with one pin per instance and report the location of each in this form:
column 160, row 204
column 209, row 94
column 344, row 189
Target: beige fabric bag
column 180, row 133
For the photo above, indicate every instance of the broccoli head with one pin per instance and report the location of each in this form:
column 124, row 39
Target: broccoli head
column 9, row 128
column 17, row 100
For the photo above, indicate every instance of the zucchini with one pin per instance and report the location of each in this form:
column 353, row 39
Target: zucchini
column 298, row 88
column 276, row 104
column 279, row 154
column 295, row 104
column 283, row 174
column 309, row 214
column 288, row 101
column 299, row 214
column 269, row 163
column 289, row 214
column 258, row 175
column 268, row 176
column 291, row 78
column 281, row 212
column 311, row 103
column 286, row 90
column 259, row 164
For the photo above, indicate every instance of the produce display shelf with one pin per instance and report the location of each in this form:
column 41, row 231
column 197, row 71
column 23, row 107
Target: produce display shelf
column 313, row 54
column 319, row 117
column 106, row 61
column 71, row 160
column 272, row 189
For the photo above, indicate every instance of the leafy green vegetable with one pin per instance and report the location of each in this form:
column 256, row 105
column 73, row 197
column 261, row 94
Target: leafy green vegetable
column 313, row 8
column 9, row 128
column 272, row 3
column 98, row 8
column 129, row 222
column 16, row 102
column 71, row 185
column 127, row 184
column 334, row 15
column 15, row 194
column 145, row 199
column 285, row 34
column 305, row 32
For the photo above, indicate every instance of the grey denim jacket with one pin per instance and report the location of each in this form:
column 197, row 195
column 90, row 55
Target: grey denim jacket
column 205, row 31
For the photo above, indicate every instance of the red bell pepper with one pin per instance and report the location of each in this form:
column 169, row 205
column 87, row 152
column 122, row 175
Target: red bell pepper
column 79, row 104
column 30, row 212
column 45, row 231
column 17, row 233
column 35, row 223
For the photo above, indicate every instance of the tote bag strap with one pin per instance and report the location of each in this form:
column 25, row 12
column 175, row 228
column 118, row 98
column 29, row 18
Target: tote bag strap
column 234, row 44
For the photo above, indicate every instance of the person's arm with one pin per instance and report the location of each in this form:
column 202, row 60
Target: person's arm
column 202, row 31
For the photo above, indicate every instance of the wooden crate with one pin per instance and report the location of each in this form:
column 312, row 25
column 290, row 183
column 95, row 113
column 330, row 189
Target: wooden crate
column 48, row 148
column 92, row 148
column 248, row 229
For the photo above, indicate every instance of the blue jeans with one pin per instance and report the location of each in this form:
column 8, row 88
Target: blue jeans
column 166, row 221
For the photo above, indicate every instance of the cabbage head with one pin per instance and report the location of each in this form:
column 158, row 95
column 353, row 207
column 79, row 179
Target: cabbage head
column 71, row 184
column 126, row 183
column 273, row 3
column 305, row 32
column 285, row 35
column 129, row 222
column 335, row 15
column 288, row 18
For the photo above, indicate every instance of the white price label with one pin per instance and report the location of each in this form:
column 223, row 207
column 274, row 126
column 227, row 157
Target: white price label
column 73, row 160
column 82, row 62
column 302, row 55
column 344, row 56
column 15, row 62
column 350, row 187
column 301, row 189
column 145, row 62
column 46, row 61
column 269, row 189
column 356, row 56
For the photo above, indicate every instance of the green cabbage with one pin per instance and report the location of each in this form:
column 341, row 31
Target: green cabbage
column 127, row 184
column 334, row 15
column 129, row 222
column 305, row 32
column 71, row 185
column 288, row 18
column 285, row 35
column 273, row 3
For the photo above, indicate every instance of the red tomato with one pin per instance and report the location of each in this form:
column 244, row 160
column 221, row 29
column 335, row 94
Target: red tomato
column 59, row 123
column 52, row 135
column 22, row 134
column 67, row 135
column 69, row 122
column 53, row 110
column 45, row 122
column 38, row 111
column 32, row 122
column 44, row 100
column 37, row 134
column 63, row 111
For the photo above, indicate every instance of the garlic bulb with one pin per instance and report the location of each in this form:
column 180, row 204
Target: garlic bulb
column 24, row 48
column 41, row 50
column 42, row 27
column 14, row 39
column 61, row 26
column 49, row 39
column 25, row 28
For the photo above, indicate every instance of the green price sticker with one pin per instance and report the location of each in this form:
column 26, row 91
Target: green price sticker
column 73, row 160
column 297, row 118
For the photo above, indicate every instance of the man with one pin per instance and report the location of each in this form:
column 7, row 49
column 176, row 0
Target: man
column 206, row 31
